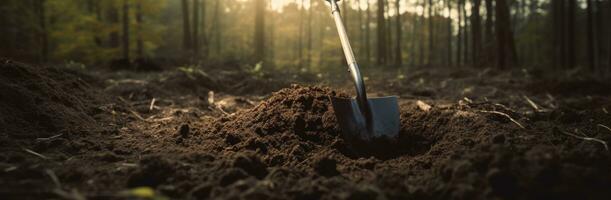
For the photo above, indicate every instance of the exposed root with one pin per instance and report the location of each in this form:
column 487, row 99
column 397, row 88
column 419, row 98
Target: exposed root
column 36, row 154
column 605, row 127
column 505, row 115
column 587, row 139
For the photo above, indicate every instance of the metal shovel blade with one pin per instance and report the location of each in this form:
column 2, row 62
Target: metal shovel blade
column 384, row 117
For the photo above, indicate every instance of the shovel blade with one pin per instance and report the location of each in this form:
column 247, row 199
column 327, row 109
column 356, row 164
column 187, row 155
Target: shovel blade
column 385, row 117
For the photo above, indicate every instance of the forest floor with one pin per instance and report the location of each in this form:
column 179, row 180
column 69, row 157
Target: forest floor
column 192, row 133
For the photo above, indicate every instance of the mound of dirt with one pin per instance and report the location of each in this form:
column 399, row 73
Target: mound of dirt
column 286, row 126
column 38, row 102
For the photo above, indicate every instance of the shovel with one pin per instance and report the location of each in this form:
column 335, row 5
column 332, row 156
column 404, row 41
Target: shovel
column 362, row 118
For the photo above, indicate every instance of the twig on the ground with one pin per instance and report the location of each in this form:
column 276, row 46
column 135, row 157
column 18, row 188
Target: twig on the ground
column 137, row 115
column 587, row 139
column 11, row 168
column 73, row 195
column 531, row 103
column 36, row 154
column 551, row 100
column 221, row 109
column 605, row 127
column 467, row 100
column 605, row 110
column 505, row 115
column 49, row 138
column 152, row 106
column 54, row 178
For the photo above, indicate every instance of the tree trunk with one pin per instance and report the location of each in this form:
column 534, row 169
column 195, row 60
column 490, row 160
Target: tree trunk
column 309, row 35
column 389, row 33
column 414, row 37
column 44, row 36
column 466, row 54
column 272, row 33
column 139, row 21
column 476, row 33
column 113, row 18
column 186, row 25
column 398, row 53
column 422, row 34
column 590, row 35
column 600, row 32
column 381, row 57
column 489, row 34
column 361, row 37
column 449, row 51
column 367, row 34
column 609, row 26
column 204, row 35
column 459, row 37
column 218, row 28
column 300, row 33
column 505, row 42
column 195, row 35
column 126, row 30
column 571, row 47
column 431, row 34
column 259, row 39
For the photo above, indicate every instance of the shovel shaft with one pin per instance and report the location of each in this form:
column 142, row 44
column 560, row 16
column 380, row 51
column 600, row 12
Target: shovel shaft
column 361, row 94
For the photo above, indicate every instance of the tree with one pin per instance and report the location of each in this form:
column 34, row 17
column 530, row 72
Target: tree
column 361, row 29
column 431, row 34
column 476, row 32
column 609, row 49
column 465, row 34
column 309, row 35
column 125, row 43
column 186, row 25
column 459, row 36
column 203, row 35
column 398, row 60
column 449, row 50
column 300, row 33
column 139, row 21
column 43, row 33
column 422, row 31
column 381, row 57
column 367, row 34
column 218, row 27
column 259, row 39
column 571, row 47
column 505, row 41
column 195, row 35
column 113, row 19
column 600, row 31
column 590, row 35
column 489, row 34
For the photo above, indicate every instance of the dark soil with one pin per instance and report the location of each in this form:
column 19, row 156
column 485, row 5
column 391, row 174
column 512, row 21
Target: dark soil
column 65, row 134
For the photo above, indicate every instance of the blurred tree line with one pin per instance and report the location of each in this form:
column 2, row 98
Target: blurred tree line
column 300, row 35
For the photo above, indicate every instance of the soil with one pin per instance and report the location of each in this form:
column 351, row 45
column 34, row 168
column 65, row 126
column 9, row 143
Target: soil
column 485, row 134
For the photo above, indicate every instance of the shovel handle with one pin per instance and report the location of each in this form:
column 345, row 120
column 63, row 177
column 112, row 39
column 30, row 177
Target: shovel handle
column 361, row 94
